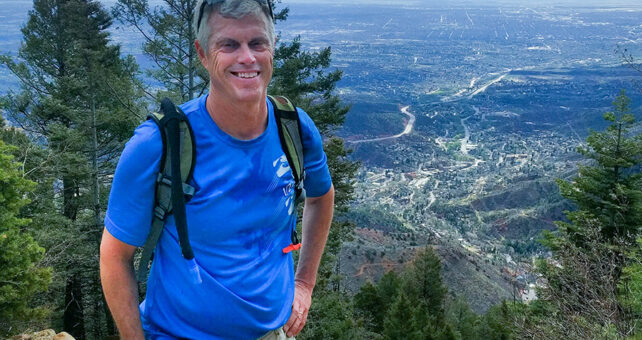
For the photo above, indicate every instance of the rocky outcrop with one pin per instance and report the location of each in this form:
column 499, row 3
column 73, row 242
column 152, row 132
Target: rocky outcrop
column 47, row 334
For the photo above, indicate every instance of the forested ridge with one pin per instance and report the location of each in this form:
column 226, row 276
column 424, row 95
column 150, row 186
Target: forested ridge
column 80, row 100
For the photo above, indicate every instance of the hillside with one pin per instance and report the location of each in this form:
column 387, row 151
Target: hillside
column 466, row 271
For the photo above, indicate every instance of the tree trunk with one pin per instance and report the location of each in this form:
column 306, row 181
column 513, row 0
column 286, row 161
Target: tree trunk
column 98, row 299
column 190, row 53
column 94, row 170
column 73, row 321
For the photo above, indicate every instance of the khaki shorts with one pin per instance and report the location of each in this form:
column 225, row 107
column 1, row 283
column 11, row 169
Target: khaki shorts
column 277, row 334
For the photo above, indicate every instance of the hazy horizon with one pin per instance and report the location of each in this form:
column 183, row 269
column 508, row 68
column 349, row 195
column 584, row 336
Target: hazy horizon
column 437, row 3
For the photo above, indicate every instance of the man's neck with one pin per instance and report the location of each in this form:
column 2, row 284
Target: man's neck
column 242, row 121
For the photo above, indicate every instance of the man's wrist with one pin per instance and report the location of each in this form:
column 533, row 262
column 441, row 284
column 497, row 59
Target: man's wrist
column 304, row 283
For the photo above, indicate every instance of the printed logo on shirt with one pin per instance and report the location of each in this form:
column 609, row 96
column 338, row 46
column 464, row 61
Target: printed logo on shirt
column 283, row 168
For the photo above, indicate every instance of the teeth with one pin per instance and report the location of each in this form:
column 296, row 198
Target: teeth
column 248, row 75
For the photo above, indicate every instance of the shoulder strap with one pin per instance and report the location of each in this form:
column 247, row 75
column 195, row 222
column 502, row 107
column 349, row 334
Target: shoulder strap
column 172, row 182
column 289, row 126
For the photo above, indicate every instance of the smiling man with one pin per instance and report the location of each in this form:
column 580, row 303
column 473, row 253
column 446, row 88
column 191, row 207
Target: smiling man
column 242, row 213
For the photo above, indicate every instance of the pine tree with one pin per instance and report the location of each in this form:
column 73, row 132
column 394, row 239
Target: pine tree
column 21, row 276
column 48, row 226
column 374, row 301
column 610, row 188
column 580, row 299
column 331, row 317
column 368, row 304
column 462, row 319
column 169, row 42
column 300, row 76
column 388, row 288
column 496, row 323
column 424, row 286
column 398, row 323
column 417, row 307
column 78, row 98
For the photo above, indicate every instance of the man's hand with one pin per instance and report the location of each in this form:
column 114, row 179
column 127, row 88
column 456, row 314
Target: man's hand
column 300, row 308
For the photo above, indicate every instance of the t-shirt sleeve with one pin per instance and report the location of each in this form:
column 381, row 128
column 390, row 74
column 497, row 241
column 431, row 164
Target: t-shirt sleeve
column 317, row 181
column 131, row 200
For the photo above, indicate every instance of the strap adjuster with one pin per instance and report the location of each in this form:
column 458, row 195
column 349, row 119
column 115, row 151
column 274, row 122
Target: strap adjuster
column 163, row 179
column 159, row 212
column 188, row 190
column 300, row 189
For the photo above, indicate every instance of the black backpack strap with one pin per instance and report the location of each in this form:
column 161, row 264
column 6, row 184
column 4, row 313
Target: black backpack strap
column 291, row 138
column 289, row 127
column 172, row 183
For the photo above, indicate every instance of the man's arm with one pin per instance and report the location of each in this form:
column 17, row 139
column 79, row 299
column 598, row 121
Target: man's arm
column 317, row 216
column 119, row 285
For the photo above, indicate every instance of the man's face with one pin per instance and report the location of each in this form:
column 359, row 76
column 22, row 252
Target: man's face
column 239, row 59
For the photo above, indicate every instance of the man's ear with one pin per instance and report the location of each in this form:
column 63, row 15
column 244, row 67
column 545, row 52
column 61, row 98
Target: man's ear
column 201, row 53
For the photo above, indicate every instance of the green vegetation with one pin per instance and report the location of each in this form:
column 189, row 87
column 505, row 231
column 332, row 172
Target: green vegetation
column 416, row 305
column 453, row 146
column 592, row 279
column 609, row 189
column 630, row 287
column 168, row 40
column 376, row 219
column 79, row 102
column 21, row 276
column 332, row 317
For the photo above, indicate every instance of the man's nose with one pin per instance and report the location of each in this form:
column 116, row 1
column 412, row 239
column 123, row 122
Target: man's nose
column 246, row 55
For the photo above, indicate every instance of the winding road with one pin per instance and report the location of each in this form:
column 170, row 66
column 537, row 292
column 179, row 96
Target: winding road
column 407, row 129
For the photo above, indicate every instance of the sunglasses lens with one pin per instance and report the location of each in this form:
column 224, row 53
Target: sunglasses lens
column 269, row 3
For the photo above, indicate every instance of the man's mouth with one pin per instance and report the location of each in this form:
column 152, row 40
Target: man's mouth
column 246, row 75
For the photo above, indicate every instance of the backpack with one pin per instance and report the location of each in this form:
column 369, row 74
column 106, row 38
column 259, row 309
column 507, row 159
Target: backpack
column 177, row 165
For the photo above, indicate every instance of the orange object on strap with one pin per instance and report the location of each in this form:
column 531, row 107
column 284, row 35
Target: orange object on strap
column 291, row 247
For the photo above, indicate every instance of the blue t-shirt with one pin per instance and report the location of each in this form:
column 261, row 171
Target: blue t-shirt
column 239, row 220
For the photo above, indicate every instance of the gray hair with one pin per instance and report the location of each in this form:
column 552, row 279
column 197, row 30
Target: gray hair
column 235, row 9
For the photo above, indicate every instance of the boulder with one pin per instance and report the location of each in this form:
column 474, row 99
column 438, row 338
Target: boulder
column 47, row 334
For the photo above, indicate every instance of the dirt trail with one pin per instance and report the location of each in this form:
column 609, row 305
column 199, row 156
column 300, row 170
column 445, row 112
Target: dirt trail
column 387, row 265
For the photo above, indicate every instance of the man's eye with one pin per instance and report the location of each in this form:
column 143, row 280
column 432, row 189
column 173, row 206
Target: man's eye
column 229, row 46
column 258, row 45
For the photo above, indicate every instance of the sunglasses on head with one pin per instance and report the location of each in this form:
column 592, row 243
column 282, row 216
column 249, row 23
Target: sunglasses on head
column 263, row 3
